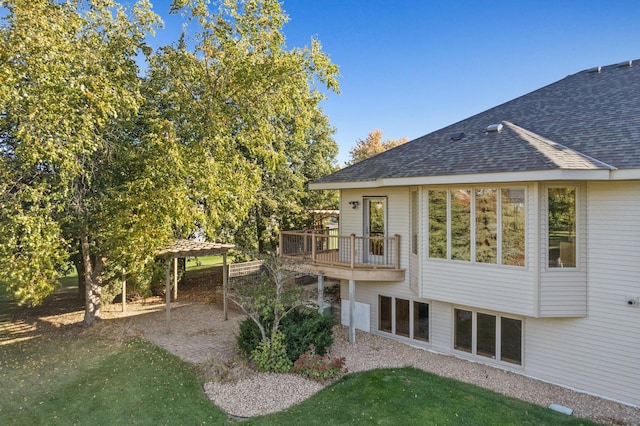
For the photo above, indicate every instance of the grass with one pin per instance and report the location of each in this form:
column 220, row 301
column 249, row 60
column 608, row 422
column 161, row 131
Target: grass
column 67, row 380
column 86, row 381
column 206, row 262
column 409, row 396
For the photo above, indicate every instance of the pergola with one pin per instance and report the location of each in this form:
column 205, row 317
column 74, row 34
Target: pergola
column 187, row 248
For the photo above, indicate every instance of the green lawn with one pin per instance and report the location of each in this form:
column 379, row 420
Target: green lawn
column 204, row 262
column 67, row 380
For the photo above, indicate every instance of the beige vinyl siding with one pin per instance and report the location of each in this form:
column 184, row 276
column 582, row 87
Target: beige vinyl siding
column 398, row 222
column 441, row 327
column 563, row 291
column 600, row 353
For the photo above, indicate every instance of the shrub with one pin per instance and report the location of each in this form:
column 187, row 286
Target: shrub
column 304, row 327
column 301, row 327
column 318, row 367
column 271, row 355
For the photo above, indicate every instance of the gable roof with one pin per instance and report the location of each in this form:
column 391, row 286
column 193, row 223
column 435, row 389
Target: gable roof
column 585, row 126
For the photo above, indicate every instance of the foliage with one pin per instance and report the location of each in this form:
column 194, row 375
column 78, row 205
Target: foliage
column 318, row 367
column 302, row 327
column 268, row 297
column 103, row 163
column 372, row 145
column 307, row 327
column 271, row 354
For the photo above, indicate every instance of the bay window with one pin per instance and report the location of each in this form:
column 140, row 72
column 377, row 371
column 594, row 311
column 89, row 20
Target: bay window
column 483, row 225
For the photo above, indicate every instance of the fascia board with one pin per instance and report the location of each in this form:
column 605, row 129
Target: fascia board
column 546, row 175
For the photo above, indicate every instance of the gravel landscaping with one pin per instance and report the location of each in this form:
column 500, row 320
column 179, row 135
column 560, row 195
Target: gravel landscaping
column 265, row 393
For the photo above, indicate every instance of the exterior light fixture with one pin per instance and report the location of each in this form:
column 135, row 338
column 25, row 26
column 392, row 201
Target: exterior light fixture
column 354, row 204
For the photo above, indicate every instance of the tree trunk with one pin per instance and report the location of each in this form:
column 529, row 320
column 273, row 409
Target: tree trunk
column 93, row 282
column 82, row 288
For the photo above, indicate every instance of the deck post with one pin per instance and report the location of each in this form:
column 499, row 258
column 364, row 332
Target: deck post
column 313, row 245
column 352, row 309
column 397, row 249
column 320, row 292
column 353, row 250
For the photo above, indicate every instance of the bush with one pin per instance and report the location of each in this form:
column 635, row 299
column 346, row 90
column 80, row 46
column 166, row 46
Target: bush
column 318, row 367
column 301, row 328
column 271, row 355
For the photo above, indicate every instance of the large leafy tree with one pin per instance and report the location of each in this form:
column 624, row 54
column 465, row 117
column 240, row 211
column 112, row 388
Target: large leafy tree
column 253, row 106
column 372, row 145
column 103, row 162
column 68, row 98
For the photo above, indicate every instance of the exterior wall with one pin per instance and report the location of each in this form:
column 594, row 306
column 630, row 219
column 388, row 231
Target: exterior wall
column 398, row 222
column 597, row 350
column 599, row 353
column 563, row 291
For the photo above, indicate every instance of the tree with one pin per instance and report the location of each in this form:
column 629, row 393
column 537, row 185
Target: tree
column 284, row 200
column 257, row 108
column 372, row 145
column 99, row 160
column 69, row 94
column 267, row 299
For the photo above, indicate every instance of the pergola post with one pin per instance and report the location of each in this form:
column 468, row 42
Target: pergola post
column 225, row 284
column 167, row 293
column 175, row 279
column 124, row 291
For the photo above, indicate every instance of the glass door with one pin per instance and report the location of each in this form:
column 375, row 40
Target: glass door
column 375, row 218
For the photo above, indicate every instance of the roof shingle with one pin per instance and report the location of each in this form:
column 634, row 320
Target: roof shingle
column 586, row 121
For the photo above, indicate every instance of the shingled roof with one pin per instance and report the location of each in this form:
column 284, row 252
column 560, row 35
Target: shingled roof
column 588, row 121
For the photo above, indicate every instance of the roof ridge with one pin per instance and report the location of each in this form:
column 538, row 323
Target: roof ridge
column 534, row 139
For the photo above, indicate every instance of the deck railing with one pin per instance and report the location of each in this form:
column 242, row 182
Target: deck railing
column 325, row 246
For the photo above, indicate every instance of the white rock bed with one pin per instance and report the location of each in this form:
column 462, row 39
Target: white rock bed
column 265, row 393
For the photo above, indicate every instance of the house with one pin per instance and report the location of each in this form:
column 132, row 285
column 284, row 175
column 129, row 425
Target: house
column 510, row 238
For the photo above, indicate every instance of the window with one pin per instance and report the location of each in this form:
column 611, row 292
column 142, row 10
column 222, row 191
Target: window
column 486, row 225
column 421, row 321
column 402, row 317
column 483, row 225
column 463, row 330
column 460, row 224
column 486, row 345
column 384, row 313
column 478, row 333
column 511, row 343
column 408, row 319
column 414, row 222
column 512, row 226
column 438, row 224
column 562, row 227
